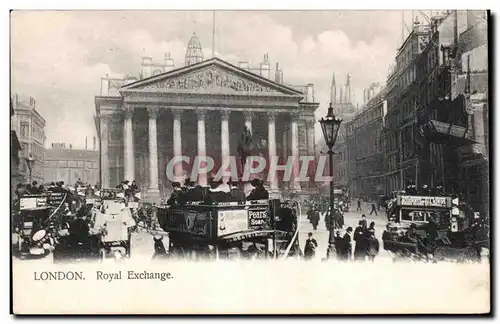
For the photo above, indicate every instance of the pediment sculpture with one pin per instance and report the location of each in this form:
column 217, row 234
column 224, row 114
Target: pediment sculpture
column 211, row 78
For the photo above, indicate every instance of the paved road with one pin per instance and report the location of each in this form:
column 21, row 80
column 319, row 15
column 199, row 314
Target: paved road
column 142, row 245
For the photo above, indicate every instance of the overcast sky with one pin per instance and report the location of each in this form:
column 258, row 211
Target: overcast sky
column 59, row 57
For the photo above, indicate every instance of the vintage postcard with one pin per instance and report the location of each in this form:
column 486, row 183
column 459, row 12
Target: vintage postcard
column 250, row 162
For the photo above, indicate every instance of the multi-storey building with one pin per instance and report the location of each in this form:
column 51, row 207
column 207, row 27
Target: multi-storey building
column 391, row 144
column 405, row 102
column 29, row 126
column 142, row 123
column 67, row 164
column 365, row 133
column 15, row 148
column 454, row 118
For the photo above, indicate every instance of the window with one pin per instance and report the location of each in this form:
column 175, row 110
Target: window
column 89, row 165
column 80, row 164
column 72, row 164
column 62, row 164
column 25, row 129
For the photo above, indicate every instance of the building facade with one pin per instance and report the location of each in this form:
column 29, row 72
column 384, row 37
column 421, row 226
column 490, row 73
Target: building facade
column 69, row 165
column 365, row 132
column 198, row 110
column 405, row 103
column 15, row 148
column 455, row 118
column 29, row 126
column 391, row 139
column 437, row 118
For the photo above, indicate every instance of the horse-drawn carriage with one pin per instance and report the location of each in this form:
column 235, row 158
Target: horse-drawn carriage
column 33, row 223
column 228, row 230
column 430, row 228
column 105, row 232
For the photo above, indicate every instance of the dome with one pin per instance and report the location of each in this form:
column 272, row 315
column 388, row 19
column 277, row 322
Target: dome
column 194, row 42
column 194, row 53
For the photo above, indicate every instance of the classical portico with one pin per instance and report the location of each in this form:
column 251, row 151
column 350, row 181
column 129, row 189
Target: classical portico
column 198, row 110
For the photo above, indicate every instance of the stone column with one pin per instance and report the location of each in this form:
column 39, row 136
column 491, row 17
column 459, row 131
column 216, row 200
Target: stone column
column 295, row 153
column 284, row 145
column 128, row 148
column 202, row 149
column 224, row 139
column 272, row 146
column 177, row 136
column 311, row 150
column 103, row 138
column 153, row 152
column 310, row 137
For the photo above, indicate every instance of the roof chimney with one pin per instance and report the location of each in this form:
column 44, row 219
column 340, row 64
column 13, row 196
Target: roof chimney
column 105, row 85
column 265, row 68
column 169, row 62
column 278, row 76
column 85, row 143
column 146, row 68
column 94, row 146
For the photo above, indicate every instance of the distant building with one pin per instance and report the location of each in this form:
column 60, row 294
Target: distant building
column 63, row 163
column 29, row 126
column 345, row 109
column 15, row 148
column 199, row 109
column 365, row 135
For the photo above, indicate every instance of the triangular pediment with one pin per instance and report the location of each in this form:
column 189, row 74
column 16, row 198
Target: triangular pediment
column 211, row 76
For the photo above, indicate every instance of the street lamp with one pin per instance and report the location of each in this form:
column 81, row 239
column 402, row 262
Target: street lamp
column 29, row 161
column 330, row 126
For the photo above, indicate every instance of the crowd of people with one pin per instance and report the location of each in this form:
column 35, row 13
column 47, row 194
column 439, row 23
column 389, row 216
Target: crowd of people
column 366, row 245
column 34, row 188
column 129, row 189
column 217, row 191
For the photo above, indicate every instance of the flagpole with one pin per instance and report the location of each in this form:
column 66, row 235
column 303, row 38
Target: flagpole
column 213, row 34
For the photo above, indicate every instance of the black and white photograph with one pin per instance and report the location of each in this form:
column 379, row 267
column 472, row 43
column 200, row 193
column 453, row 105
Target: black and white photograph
column 250, row 161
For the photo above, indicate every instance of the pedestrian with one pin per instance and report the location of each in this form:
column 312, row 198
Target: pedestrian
column 347, row 245
column 374, row 209
column 339, row 245
column 387, row 236
column 360, row 239
column 372, row 245
column 372, row 226
column 359, row 205
column 310, row 247
column 364, row 222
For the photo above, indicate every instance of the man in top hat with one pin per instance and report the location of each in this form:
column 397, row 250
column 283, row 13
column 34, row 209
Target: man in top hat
column 188, row 185
column 258, row 192
column 175, row 195
column 79, row 229
column 215, row 193
column 236, row 193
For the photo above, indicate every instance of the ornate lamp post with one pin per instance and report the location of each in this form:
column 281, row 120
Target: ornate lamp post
column 330, row 126
column 29, row 161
